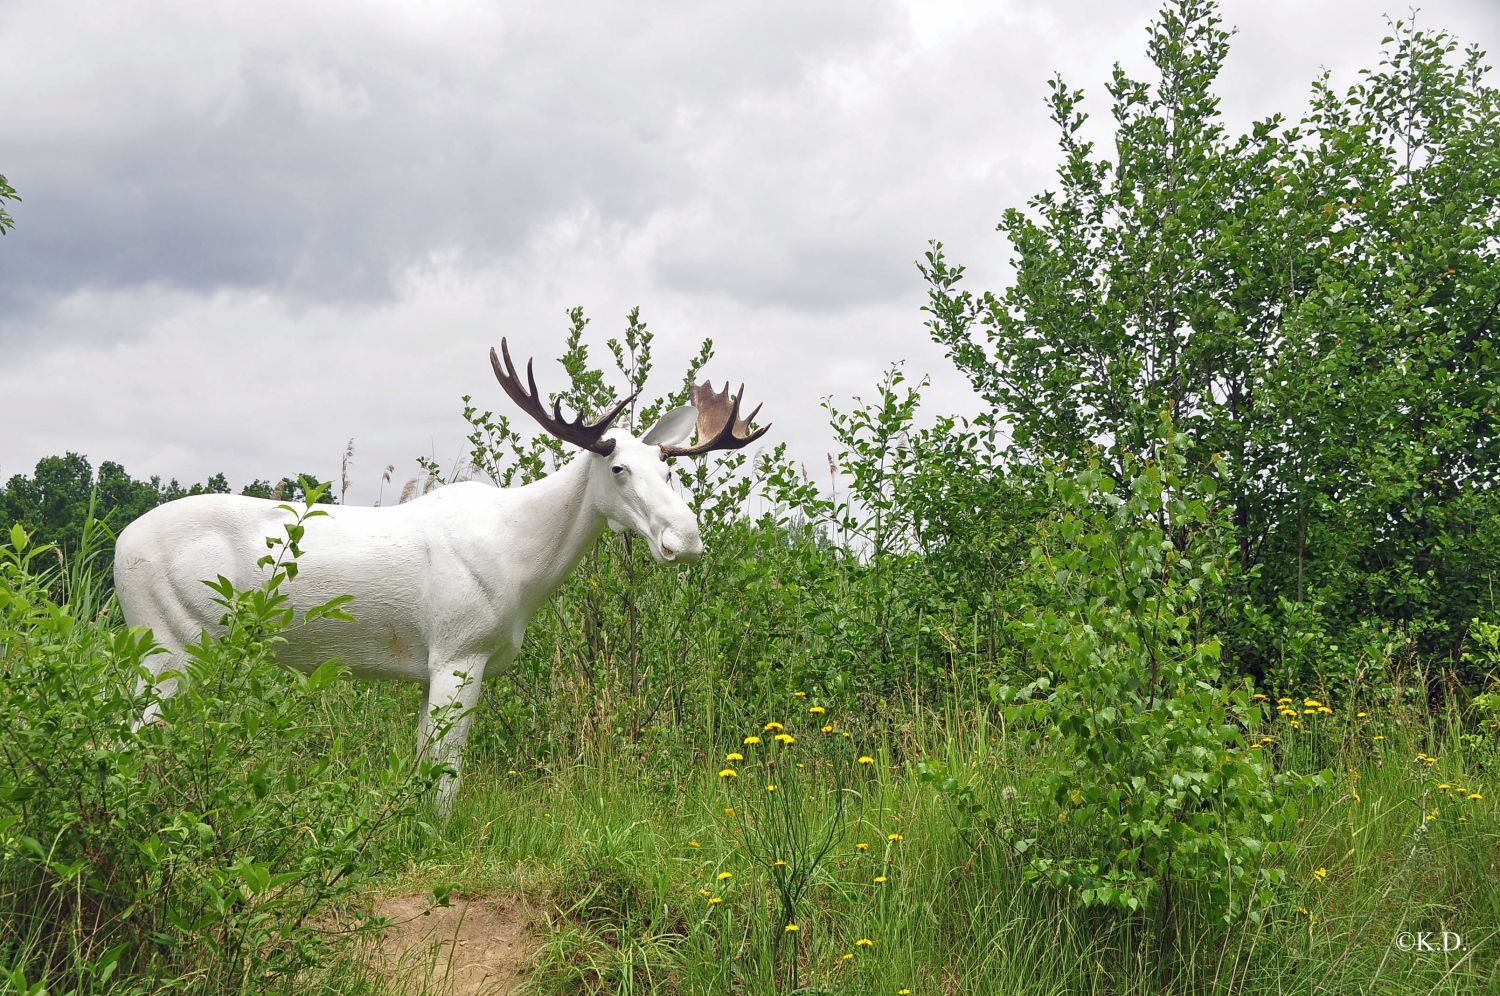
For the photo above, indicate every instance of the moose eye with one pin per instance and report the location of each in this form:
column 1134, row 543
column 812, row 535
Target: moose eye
column 618, row 469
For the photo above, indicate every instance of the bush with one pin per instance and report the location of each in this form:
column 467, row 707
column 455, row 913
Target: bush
column 198, row 855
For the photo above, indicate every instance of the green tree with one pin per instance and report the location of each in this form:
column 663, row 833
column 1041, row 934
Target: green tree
column 1312, row 301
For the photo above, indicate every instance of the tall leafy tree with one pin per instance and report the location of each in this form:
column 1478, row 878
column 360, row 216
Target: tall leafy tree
column 1314, row 301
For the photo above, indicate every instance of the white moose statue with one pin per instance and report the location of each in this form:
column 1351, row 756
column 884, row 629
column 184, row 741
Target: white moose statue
column 443, row 586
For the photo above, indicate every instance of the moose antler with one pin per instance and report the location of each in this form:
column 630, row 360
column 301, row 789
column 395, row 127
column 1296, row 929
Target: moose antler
column 589, row 437
column 719, row 424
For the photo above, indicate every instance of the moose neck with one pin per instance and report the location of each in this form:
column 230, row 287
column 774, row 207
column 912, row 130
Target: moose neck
column 562, row 528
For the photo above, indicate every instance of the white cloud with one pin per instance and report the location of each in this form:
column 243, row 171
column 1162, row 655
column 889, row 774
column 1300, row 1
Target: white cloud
column 253, row 230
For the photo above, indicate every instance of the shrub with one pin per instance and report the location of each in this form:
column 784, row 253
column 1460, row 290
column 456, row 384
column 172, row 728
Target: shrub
column 197, row 855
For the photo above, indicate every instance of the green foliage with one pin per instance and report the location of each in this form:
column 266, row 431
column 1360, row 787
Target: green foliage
column 196, row 855
column 1314, row 302
column 7, row 193
column 1155, row 788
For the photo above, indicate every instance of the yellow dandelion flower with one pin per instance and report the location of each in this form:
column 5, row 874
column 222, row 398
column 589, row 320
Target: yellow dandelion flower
column 903, row 992
column 785, row 738
column 728, row 810
column 772, row 726
column 791, row 928
column 1320, row 874
column 770, row 788
column 751, row 741
column 861, row 846
column 864, row 942
column 715, row 900
column 1325, row 710
column 1379, row 736
column 1475, row 795
column 847, row 956
column 866, row 759
column 894, row 836
column 880, row 879
column 1445, row 785
column 704, row 893
column 1463, row 819
column 734, row 756
column 1296, row 724
column 817, row 710
column 778, row 863
column 1360, row 715
column 800, row 695
column 827, row 729
column 1430, row 817
column 1283, row 701
column 728, row 773
column 1258, row 697
column 1306, row 712
column 694, row 843
column 1311, row 702
column 1256, row 746
column 725, row 875
column 512, row 771
column 846, row 733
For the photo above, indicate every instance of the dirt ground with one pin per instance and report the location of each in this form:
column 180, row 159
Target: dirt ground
column 475, row 946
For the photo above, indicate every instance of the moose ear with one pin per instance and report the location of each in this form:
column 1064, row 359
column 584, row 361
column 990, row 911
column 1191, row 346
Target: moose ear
column 673, row 428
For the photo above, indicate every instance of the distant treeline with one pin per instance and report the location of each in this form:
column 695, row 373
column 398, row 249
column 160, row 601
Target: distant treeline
column 53, row 503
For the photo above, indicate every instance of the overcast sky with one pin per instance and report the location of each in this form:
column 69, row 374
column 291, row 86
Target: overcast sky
column 252, row 231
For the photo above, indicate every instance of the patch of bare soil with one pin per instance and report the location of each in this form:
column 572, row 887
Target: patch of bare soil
column 475, row 946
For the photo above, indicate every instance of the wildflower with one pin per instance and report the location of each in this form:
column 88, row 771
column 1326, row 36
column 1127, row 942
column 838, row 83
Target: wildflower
column 846, row 733
column 1325, row 710
column 770, row 788
column 1445, row 785
column 791, row 928
column 827, row 729
column 801, row 765
column 861, row 846
column 903, row 992
column 778, row 863
column 725, row 875
column 1379, row 736
column 1320, row 874
column 734, row 756
column 894, row 836
column 694, row 843
column 751, row 741
column 866, row 759
column 728, row 810
column 547, row 815
column 1311, row 702
column 800, row 695
column 1296, row 724
column 1256, row 746
column 512, row 771
column 786, row 738
column 715, row 900
column 1258, row 697
column 847, row 956
column 1360, row 715
column 1283, row 701
column 1306, row 712
column 817, row 710
column 864, row 942
column 705, row 893
column 1475, row 795
column 1430, row 816
column 880, row 879
column 773, row 726
column 728, row 773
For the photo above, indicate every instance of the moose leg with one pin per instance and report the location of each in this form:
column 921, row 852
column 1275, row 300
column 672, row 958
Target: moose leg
column 452, row 694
